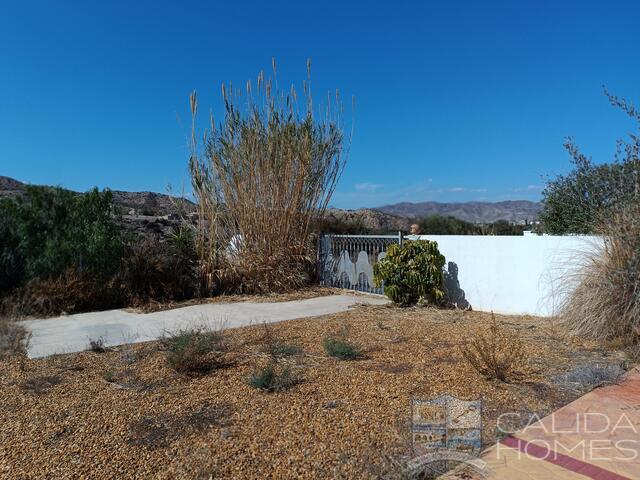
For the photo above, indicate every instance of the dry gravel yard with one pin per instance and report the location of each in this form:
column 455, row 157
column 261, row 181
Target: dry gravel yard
column 126, row 414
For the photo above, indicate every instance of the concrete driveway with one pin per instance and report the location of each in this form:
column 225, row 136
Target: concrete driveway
column 72, row 333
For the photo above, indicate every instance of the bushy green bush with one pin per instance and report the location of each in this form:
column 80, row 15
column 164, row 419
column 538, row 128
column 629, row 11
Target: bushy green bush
column 52, row 230
column 412, row 273
column 62, row 251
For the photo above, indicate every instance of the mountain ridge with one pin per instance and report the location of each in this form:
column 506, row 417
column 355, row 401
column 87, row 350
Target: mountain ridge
column 396, row 216
column 516, row 211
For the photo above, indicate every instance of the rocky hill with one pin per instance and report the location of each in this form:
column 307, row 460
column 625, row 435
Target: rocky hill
column 386, row 219
column 140, row 203
column 364, row 220
column 516, row 211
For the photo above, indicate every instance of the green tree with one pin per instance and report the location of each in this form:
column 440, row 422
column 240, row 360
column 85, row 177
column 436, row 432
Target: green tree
column 440, row 225
column 51, row 230
column 580, row 200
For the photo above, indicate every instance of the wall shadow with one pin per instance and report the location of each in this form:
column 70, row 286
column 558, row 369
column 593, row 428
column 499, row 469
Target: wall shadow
column 454, row 294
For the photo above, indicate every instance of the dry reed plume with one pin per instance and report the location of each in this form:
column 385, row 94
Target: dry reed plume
column 263, row 179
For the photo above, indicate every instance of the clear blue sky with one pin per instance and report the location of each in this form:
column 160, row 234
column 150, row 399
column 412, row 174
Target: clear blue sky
column 455, row 100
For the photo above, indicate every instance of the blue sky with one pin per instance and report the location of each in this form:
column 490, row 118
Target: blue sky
column 455, row 101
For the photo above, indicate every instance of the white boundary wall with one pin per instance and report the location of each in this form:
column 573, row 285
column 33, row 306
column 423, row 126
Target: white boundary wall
column 513, row 274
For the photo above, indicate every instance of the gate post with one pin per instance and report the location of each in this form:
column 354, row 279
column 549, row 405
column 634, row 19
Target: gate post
column 400, row 239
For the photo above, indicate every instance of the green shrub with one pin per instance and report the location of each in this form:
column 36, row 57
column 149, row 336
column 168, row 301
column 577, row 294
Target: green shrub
column 339, row 347
column 191, row 351
column 273, row 378
column 412, row 273
column 52, row 230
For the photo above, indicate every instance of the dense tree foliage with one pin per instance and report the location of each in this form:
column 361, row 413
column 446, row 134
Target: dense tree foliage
column 439, row 225
column 581, row 200
column 51, row 230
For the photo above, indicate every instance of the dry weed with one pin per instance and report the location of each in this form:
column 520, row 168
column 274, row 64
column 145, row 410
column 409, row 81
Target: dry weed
column 495, row 352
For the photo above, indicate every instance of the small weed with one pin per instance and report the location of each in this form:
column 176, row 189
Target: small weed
column 339, row 347
column 494, row 352
column 273, row 378
column 286, row 350
column 109, row 376
column 276, row 347
column 97, row 345
column 192, row 351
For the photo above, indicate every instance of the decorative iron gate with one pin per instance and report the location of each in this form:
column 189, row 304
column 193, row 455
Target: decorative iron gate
column 346, row 261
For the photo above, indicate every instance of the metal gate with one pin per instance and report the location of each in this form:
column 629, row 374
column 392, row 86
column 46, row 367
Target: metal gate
column 346, row 261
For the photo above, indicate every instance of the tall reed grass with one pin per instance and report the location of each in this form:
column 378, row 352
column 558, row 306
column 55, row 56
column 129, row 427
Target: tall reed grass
column 263, row 179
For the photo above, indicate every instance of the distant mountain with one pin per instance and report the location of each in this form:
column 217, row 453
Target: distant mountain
column 143, row 203
column 516, row 211
column 366, row 220
column 10, row 186
column 389, row 218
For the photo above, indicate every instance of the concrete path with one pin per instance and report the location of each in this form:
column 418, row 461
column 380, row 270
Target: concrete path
column 597, row 436
column 72, row 333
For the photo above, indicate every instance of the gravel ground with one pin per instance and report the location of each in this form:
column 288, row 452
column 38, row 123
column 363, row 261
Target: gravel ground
column 126, row 414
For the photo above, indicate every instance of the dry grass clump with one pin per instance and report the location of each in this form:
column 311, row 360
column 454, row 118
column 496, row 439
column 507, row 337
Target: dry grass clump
column 585, row 377
column 96, row 345
column 194, row 351
column 69, row 292
column 265, row 177
column 605, row 304
column 14, row 339
column 495, row 352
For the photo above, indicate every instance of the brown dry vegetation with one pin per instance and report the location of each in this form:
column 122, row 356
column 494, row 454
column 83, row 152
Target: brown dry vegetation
column 125, row 413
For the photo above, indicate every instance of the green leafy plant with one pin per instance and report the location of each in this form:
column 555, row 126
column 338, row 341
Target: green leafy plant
column 52, row 230
column 412, row 273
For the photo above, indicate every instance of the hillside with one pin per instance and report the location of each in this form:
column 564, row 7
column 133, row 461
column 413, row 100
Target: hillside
column 365, row 220
column 143, row 203
column 516, row 211
column 385, row 219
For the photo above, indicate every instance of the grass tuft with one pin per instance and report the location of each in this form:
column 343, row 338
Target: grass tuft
column 194, row 351
column 273, row 378
column 339, row 347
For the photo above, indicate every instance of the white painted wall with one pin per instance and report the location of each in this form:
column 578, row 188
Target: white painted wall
column 513, row 274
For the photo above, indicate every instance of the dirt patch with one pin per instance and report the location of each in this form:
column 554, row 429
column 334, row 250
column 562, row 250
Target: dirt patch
column 346, row 419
